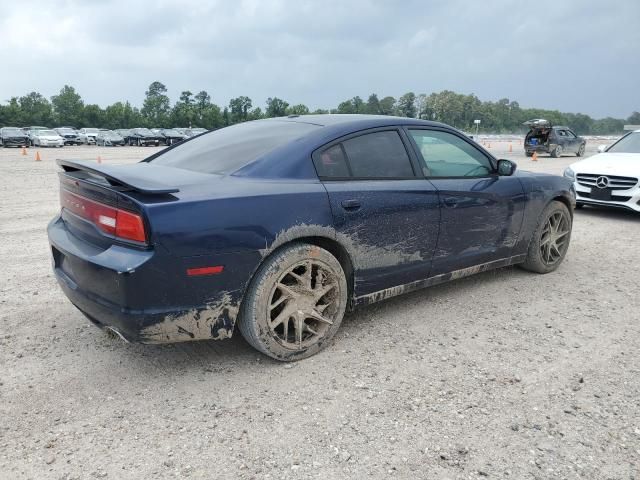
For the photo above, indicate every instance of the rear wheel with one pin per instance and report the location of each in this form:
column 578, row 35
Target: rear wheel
column 295, row 302
column 550, row 241
column 557, row 152
column 529, row 154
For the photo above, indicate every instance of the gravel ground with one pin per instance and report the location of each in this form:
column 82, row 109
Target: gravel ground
column 505, row 374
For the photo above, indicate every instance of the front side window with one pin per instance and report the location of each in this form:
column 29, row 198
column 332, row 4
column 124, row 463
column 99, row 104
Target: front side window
column 447, row 155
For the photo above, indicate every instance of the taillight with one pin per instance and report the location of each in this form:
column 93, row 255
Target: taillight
column 111, row 220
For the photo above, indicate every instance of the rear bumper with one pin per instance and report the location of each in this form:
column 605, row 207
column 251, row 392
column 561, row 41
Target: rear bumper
column 132, row 292
column 537, row 148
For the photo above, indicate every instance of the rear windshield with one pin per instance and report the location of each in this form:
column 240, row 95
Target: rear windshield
column 627, row 144
column 228, row 149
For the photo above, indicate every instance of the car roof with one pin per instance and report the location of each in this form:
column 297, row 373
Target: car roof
column 325, row 120
column 290, row 160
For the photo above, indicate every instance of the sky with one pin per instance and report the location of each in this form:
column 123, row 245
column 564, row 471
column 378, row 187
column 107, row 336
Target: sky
column 570, row 55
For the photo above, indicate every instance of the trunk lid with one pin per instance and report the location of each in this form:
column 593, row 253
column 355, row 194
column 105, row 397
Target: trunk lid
column 537, row 123
column 108, row 204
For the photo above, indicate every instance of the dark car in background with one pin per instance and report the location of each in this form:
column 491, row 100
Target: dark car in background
column 143, row 137
column 14, row 137
column 282, row 225
column 124, row 133
column 109, row 138
column 70, row 135
column 543, row 137
column 172, row 136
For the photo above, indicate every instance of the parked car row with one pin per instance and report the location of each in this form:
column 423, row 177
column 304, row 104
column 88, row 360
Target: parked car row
column 61, row 136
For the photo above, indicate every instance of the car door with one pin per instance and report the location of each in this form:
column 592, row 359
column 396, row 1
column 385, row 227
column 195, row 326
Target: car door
column 573, row 140
column 385, row 212
column 563, row 140
column 481, row 212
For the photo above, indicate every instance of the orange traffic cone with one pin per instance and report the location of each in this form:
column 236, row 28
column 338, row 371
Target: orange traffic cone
column 535, row 157
column 488, row 145
column 38, row 159
column 99, row 159
column 510, row 148
column 24, row 152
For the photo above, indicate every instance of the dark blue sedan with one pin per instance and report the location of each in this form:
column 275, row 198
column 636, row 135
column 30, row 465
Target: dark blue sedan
column 280, row 226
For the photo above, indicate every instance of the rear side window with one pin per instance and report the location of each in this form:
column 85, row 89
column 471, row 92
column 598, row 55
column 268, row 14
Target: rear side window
column 373, row 155
column 332, row 163
column 226, row 150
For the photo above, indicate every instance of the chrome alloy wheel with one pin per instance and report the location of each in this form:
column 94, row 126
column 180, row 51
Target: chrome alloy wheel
column 553, row 242
column 303, row 304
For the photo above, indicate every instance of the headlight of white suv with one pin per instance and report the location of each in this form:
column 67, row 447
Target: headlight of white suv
column 570, row 174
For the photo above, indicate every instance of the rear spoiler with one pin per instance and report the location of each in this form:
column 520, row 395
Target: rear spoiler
column 117, row 176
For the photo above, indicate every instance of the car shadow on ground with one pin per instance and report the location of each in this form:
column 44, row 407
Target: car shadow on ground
column 235, row 353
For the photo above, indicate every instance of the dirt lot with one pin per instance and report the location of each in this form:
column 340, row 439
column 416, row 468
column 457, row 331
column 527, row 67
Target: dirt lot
column 502, row 375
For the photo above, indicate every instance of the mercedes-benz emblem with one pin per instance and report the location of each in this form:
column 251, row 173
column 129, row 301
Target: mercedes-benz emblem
column 602, row 182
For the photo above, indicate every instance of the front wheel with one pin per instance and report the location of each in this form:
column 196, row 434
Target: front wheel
column 580, row 151
column 550, row 240
column 295, row 302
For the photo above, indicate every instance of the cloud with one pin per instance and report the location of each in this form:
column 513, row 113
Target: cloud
column 574, row 55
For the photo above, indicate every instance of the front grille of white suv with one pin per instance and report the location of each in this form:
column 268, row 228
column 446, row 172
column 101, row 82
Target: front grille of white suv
column 614, row 182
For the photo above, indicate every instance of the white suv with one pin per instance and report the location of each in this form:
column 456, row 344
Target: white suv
column 610, row 178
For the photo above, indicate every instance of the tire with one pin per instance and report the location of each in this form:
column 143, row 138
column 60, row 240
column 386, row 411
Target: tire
column 140, row 142
column 541, row 257
column 580, row 151
column 557, row 152
column 529, row 154
column 282, row 289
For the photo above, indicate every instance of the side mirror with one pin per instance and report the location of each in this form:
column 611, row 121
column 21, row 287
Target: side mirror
column 601, row 148
column 506, row 168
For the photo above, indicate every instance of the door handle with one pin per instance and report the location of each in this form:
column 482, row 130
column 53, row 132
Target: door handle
column 350, row 204
column 450, row 201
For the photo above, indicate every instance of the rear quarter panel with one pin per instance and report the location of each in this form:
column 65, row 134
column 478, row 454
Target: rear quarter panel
column 236, row 223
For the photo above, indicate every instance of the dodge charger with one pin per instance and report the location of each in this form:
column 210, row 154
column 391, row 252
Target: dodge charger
column 278, row 227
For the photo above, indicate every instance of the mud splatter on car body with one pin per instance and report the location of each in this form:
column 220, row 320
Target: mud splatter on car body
column 213, row 322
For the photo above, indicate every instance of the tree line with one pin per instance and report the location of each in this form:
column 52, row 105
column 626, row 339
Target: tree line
column 198, row 110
